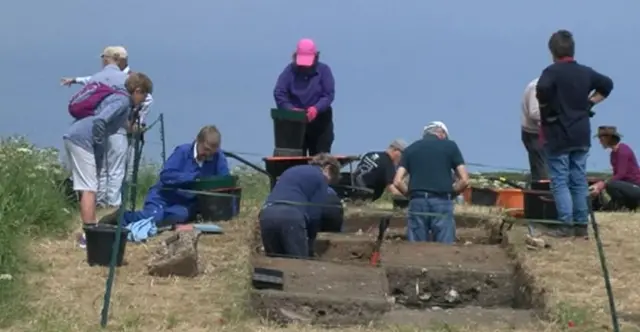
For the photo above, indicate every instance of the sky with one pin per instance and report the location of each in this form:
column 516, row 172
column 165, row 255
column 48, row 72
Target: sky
column 398, row 65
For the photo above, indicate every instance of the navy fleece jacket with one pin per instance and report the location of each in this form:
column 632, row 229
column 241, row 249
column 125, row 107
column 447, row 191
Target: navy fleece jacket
column 563, row 92
column 303, row 184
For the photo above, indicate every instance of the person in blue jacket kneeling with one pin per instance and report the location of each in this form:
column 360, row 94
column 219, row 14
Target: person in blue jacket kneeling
column 165, row 203
column 291, row 216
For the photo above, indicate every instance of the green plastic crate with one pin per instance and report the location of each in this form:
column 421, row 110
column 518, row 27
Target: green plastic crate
column 213, row 183
column 289, row 115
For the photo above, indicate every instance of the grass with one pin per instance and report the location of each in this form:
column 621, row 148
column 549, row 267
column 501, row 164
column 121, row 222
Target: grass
column 54, row 290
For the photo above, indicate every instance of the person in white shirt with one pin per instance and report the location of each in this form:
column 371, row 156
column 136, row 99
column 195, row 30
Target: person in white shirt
column 112, row 176
column 531, row 133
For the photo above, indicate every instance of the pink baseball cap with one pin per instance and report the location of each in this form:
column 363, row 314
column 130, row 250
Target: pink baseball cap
column 306, row 52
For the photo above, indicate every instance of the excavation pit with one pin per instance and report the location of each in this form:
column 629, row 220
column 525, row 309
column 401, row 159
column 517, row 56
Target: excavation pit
column 416, row 284
column 344, row 248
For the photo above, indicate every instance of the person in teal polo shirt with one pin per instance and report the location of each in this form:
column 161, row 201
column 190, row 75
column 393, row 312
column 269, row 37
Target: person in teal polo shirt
column 430, row 162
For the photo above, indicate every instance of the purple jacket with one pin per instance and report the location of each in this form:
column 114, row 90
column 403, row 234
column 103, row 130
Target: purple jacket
column 303, row 90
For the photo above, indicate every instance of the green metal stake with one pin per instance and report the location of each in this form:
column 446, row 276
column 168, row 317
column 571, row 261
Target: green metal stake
column 162, row 138
column 605, row 270
column 137, row 155
column 104, row 317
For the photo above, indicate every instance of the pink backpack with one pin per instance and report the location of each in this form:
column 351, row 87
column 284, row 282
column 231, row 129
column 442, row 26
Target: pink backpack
column 84, row 102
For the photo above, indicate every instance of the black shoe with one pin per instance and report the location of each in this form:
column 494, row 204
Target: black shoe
column 560, row 232
column 581, row 231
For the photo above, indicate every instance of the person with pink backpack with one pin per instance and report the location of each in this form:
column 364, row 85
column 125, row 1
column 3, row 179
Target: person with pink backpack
column 86, row 141
column 113, row 174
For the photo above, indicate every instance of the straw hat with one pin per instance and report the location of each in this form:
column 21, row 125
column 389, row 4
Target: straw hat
column 608, row 131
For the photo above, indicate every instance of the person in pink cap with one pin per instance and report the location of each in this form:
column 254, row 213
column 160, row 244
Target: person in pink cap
column 307, row 85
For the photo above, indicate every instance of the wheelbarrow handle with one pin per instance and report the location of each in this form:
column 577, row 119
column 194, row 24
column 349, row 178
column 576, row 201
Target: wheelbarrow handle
column 246, row 162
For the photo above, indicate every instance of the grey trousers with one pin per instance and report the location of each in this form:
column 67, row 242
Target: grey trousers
column 537, row 161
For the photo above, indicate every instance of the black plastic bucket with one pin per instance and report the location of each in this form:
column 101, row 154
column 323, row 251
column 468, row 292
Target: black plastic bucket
column 220, row 208
column 483, row 196
column 100, row 241
column 289, row 128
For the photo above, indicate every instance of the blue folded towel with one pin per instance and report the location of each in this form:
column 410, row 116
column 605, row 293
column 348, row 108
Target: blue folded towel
column 141, row 230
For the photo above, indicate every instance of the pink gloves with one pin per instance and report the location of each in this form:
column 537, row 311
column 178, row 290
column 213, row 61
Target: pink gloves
column 312, row 112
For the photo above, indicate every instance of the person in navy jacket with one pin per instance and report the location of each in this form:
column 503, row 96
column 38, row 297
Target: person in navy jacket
column 307, row 85
column 291, row 216
column 189, row 162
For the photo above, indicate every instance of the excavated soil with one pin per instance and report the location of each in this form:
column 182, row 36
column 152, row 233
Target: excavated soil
column 474, row 281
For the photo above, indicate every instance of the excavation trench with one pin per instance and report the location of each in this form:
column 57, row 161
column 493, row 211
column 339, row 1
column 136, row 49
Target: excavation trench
column 472, row 281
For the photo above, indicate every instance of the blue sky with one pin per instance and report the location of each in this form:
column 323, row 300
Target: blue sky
column 397, row 64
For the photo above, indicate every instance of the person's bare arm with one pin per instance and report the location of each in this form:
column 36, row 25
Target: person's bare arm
column 398, row 181
column 463, row 179
column 393, row 190
column 457, row 164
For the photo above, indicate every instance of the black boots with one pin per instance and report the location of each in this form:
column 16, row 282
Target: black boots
column 581, row 230
column 578, row 231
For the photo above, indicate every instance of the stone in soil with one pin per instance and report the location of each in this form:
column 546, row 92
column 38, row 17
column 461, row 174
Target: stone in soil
column 450, row 287
column 176, row 256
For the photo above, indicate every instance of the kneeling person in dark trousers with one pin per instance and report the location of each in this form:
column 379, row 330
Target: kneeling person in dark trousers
column 291, row 215
column 429, row 162
column 564, row 93
column 376, row 170
column 624, row 186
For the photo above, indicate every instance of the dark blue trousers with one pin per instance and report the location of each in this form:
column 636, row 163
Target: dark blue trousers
column 284, row 231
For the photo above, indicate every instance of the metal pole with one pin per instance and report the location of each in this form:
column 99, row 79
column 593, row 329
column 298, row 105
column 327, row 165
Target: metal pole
column 104, row 316
column 162, row 138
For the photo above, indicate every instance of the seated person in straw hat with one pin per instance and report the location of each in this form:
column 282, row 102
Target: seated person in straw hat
column 624, row 186
column 189, row 162
column 376, row 169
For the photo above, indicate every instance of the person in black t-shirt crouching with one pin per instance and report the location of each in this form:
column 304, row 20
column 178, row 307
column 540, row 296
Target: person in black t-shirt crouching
column 376, row 170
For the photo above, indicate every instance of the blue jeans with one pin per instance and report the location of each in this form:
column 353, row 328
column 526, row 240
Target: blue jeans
column 568, row 174
column 440, row 227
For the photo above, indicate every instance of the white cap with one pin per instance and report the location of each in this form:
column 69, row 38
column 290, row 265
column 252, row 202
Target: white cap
column 399, row 144
column 116, row 52
column 436, row 124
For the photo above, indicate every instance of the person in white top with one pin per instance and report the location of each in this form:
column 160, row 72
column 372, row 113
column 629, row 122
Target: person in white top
column 112, row 176
column 531, row 133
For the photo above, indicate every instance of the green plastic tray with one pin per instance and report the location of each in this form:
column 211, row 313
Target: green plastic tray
column 280, row 114
column 216, row 182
